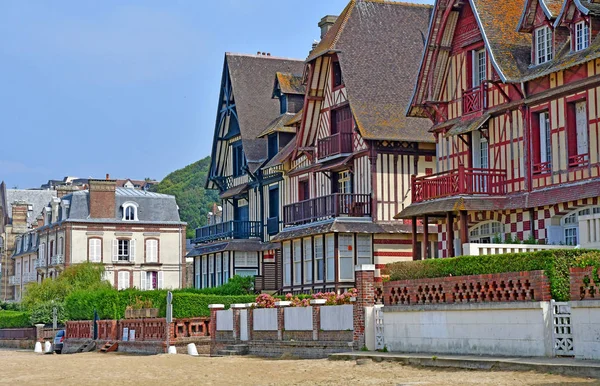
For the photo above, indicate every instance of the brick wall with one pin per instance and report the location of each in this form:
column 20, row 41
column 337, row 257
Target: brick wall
column 79, row 329
column 501, row 287
column 582, row 284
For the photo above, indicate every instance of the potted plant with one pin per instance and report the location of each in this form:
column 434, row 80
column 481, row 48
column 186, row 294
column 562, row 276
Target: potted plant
column 140, row 308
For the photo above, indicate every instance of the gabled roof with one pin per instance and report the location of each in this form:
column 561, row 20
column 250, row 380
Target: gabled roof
column 585, row 7
column 289, row 83
column 252, row 84
column 379, row 46
column 280, row 124
column 551, row 9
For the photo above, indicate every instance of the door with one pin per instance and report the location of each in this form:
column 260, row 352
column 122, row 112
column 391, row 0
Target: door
column 303, row 191
column 480, row 160
column 244, row 325
column 582, row 127
column 273, row 220
column 241, row 225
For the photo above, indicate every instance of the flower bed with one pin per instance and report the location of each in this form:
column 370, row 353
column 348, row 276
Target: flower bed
column 331, row 299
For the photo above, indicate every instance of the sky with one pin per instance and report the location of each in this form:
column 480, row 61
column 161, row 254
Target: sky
column 127, row 87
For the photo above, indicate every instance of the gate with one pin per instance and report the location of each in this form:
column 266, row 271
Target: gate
column 562, row 334
column 244, row 325
column 379, row 342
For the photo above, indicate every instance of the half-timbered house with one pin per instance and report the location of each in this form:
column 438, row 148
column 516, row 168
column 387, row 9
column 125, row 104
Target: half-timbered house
column 348, row 172
column 259, row 96
column 512, row 90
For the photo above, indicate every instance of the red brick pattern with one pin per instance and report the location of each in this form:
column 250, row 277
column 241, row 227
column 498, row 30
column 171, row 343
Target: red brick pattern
column 365, row 286
column 582, row 284
column 501, row 287
column 79, row 329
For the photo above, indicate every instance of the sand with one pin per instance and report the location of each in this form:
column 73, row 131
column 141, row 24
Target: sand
column 26, row 368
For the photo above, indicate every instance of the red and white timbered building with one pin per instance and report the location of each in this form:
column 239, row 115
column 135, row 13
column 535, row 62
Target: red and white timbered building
column 349, row 172
column 512, row 89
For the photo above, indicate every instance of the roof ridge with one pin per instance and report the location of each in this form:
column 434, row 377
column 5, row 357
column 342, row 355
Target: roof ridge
column 262, row 56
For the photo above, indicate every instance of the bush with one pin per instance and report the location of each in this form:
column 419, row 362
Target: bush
column 14, row 319
column 555, row 264
column 42, row 313
column 10, row 306
column 590, row 259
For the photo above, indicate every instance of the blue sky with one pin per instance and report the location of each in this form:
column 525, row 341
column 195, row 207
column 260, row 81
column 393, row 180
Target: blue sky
column 128, row 88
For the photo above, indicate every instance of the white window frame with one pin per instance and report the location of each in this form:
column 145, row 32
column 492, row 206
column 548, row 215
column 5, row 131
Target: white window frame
column 123, row 280
column 346, row 256
column 484, row 232
column 219, row 270
column 198, row 283
column 544, row 50
column 308, row 263
column 246, row 259
column 204, row 271
column 330, row 258
column 344, row 182
column 479, row 70
column 297, row 273
column 364, row 249
column 225, row 267
column 211, row 270
column 95, row 250
column 319, row 259
column 582, row 35
column 287, row 263
column 545, row 137
column 151, row 251
column 133, row 206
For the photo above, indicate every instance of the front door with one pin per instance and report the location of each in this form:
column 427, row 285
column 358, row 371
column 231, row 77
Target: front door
column 582, row 127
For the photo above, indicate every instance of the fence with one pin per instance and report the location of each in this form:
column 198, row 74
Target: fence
column 477, row 249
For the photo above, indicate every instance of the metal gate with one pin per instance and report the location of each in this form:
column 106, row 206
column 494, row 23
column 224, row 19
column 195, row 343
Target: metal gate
column 562, row 333
column 379, row 342
column 244, row 325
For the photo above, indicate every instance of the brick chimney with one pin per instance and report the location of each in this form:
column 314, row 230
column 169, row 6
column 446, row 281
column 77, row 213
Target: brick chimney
column 102, row 197
column 326, row 23
column 19, row 216
column 63, row 190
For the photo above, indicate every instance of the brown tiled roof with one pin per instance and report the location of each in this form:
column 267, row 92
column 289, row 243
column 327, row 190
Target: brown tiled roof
column 379, row 45
column 554, row 6
column 280, row 124
column 252, row 83
column 290, row 83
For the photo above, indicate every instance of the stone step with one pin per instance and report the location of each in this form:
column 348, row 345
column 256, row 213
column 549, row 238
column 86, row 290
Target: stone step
column 228, row 352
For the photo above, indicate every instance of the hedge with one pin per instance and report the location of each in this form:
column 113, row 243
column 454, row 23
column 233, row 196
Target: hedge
column 555, row 263
column 111, row 304
column 14, row 319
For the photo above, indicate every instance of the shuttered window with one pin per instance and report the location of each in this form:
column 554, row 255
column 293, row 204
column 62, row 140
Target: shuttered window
column 151, row 251
column 123, row 279
column 95, row 250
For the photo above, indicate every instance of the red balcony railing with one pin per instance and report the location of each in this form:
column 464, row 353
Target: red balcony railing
column 578, row 160
column 340, row 143
column 473, row 99
column 321, row 208
column 542, row 168
column 491, row 182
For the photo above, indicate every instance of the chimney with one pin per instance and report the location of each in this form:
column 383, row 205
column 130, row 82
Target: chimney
column 19, row 216
column 326, row 23
column 63, row 190
column 102, row 197
column 40, row 221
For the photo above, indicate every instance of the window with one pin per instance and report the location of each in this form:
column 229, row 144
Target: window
column 341, row 120
column 246, row 272
column 287, row 263
column 283, row 105
column 330, row 257
column 337, row 74
column 95, row 250
column 577, row 134
column 308, row 264
column 363, row 249
column 485, row 232
column 346, row 252
column 239, row 160
column 151, row 280
column 225, row 267
column 542, row 146
column 570, row 225
column 211, row 270
column 18, row 242
column 479, row 67
column 123, row 280
column 571, row 236
column 151, row 251
column 272, row 145
column 197, row 283
column 297, row 261
column 124, row 250
column 59, row 246
column 52, row 248
column 344, row 182
column 219, row 280
column 582, row 36
column 246, row 259
column 204, row 271
column 543, row 45
column 319, row 266
column 42, row 252
column 303, row 190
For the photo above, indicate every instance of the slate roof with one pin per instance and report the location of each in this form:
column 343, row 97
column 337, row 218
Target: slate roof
column 252, row 83
column 379, row 45
column 290, row 83
column 280, row 124
column 152, row 207
column 39, row 199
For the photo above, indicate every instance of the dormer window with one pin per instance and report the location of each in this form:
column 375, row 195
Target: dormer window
column 283, row 105
column 337, row 74
column 130, row 211
column 582, row 36
column 543, row 45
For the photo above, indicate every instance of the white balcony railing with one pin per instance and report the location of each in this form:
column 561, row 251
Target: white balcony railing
column 36, row 263
column 57, row 260
column 29, row 277
column 14, row 280
column 477, row 249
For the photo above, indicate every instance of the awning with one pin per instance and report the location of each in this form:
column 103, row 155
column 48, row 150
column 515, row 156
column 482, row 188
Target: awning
column 236, row 190
column 232, row 245
column 468, row 126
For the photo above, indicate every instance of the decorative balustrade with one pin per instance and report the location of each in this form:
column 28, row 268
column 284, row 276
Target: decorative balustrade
column 229, row 230
column 473, row 99
column 29, row 277
column 578, row 160
column 542, row 168
column 339, row 143
column 331, row 206
column 491, row 182
column 57, row 260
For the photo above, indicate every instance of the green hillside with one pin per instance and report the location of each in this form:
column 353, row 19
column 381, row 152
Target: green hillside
column 187, row 185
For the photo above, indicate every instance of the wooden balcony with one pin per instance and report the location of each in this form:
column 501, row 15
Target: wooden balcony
column 473, row 99
column 228, row 230
column 322, row 208
column 340, row 143
column 487, row 182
